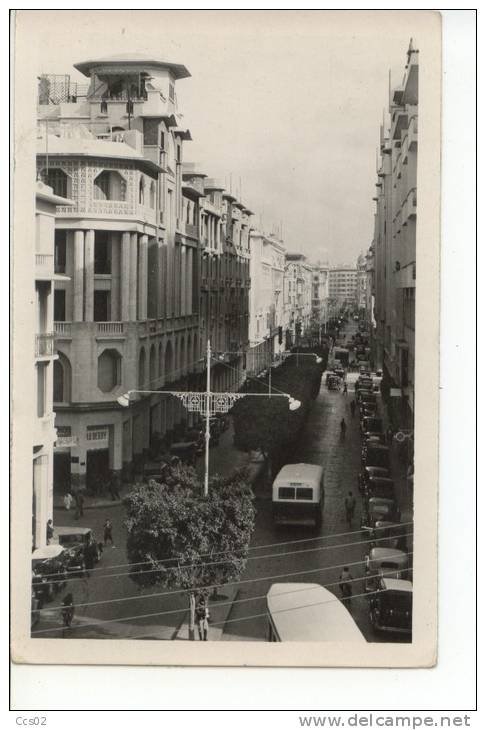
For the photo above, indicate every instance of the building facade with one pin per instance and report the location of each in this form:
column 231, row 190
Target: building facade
column 342, row 285
column 45, row 360
column 267, row 268
column 320, row 294
column 361, row 283
column 297, row 298
column 394, row 242
column 128, row 318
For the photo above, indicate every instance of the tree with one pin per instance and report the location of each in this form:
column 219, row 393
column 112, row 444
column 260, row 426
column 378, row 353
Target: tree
column 181, row 539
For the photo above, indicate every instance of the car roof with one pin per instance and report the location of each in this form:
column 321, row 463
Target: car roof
column 46, row 552
column 397, row 584
column 382, row 553
column 72, row 530
column 381, row 480
column 298, row 471
column 378, row 447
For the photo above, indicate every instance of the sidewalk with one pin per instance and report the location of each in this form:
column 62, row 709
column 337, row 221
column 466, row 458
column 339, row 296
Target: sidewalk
column 223, row 459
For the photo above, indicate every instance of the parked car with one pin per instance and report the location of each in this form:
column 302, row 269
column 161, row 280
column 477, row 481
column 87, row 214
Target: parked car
column 389, row 535
column 367, row 409
column 382, row 562
column 368, row 472
column 375, row 454
column 375, row 435
column 371, row 423
column 378, row 509
column 391, row 606
column 49, row 570
column 76, row 541
column 380, row 487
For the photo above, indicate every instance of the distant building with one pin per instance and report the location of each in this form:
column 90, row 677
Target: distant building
column 342, row 285
column 361, row 283
column 297, row 297
column 320, row 293
column 267, row 267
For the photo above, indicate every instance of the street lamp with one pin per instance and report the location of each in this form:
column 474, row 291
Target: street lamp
column 207, row 404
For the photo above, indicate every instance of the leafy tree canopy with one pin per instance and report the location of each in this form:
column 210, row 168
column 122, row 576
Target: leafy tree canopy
column 184, row 540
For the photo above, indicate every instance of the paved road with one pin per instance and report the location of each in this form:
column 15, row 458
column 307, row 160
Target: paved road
column 310, row 560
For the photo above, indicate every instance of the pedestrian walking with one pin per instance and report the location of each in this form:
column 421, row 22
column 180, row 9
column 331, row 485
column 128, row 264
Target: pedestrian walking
column 343, row 428
column 352, row 406
column 49, row 531
column 349, row 506
column 115, row 487
column 345, row 388
column 345, row 583
column 108, row 533
column 202, row 618
column 67, row 611
column 79, row 499
column 68, row 500
column 389, row 435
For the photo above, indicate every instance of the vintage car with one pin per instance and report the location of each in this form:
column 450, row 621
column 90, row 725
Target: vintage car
column 333, row 381
column 367, row 409
column 371, row 423
column 379, row 487
column 375, row 454
column 375, row 435
column 49, row 569
column 378, row 509
column 390, row 535
column 391, row 606
column 365, row 393
column 76, row 541
column 383, row 562
column 368, row 472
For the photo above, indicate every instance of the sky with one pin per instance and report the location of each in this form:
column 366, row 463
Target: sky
column 285, row 104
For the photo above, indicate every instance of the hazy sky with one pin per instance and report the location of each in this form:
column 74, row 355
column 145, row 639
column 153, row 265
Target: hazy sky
column 288, row 102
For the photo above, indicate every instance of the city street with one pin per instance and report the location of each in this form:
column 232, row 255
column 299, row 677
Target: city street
column 109, row 603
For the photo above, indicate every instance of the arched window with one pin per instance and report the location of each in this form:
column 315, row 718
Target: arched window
column 58, row 180
column 152, row 365
column 110, row 185
column 141, row 191
column 152, row 194
column 141, row 368
column 62, row 379
column 109, row 370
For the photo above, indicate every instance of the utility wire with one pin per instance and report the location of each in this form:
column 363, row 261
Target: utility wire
column 222, row 562
column 240, row 600
column 254, row 547
column 210, row 587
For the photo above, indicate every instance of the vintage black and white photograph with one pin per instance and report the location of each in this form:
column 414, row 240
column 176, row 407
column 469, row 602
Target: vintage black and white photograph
column 225, row 281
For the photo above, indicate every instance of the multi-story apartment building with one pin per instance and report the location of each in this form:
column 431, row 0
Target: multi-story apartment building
column 320, row 293
column 45, row 361
column 342, row 285
column 361, row 283
column 395, row 240
column 225, row 283
column 267, row 267
column 128, row 318
column 297, row 297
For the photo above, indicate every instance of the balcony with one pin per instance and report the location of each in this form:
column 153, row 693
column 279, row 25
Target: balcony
column 62, row 329
column 97, row 434
column 44, row 345
column 44, row 265
column 109, row 329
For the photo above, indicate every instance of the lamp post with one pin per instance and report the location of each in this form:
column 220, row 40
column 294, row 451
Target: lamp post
column 206, row 404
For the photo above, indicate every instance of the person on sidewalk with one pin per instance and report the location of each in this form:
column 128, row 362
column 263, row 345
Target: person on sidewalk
column 352, row 406
column 389, row 435
column 349, row 506
column 108, row 533
column 345, row 388
column 68, row 500
column 343, row 429
column 202, row 618
column 49, row 531
column 345, row 583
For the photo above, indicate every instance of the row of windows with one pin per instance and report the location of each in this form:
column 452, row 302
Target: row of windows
column 108, row 185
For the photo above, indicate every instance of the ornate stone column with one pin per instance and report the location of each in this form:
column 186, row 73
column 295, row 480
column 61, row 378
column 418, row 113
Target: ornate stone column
column 132, row 289
column 89, row 248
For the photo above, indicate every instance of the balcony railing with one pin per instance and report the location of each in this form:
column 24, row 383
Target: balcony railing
column 44, row 344
column 44, row 260
column 97, row 434
column 109, row 328
column 62, row 329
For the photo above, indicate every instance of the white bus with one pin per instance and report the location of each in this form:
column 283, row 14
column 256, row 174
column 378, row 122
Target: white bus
column 308, row 612
column 298, row 495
